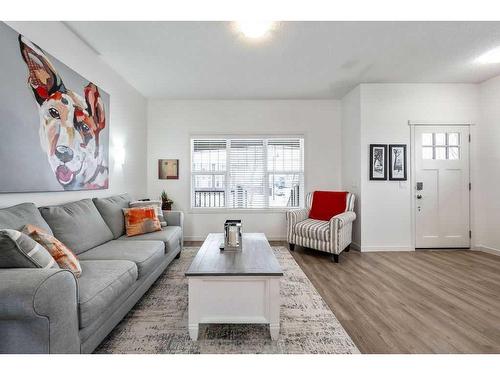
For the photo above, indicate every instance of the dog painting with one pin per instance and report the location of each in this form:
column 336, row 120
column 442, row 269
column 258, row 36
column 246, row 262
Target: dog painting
column 72, row 127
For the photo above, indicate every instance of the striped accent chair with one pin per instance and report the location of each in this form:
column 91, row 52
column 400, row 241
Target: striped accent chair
column 333, row 236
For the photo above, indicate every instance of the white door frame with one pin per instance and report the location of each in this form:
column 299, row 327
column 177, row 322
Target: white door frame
column 411, row 178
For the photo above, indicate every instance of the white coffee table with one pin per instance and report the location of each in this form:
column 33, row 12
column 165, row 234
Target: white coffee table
column 235, row 286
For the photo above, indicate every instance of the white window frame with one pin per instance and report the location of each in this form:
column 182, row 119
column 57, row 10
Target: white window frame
column 227, row 137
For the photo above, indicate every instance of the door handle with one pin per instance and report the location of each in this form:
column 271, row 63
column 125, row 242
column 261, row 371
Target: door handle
column 419, row 196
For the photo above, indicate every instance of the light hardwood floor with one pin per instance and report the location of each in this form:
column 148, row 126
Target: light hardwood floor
column 412, row 302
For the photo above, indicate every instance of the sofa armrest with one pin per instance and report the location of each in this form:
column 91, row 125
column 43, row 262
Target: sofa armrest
column 38, row 311
column 175, row 218
column 343, row 218
column 292, row 218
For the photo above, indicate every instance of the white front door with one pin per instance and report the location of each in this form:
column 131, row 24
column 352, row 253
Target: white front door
column 442, row 186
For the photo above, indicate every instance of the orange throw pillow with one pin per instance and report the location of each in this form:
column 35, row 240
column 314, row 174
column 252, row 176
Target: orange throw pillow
column 63, row 256
column 140, row 220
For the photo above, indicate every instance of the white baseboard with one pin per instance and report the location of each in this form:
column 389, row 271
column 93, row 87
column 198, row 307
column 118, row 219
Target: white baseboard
column 487, row 249
column 367, row 249
column 355, row 246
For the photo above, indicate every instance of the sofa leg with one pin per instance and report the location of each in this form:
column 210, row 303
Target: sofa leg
column 291, row 246
column 347, row 248
column 336, row 258
column 178, row 255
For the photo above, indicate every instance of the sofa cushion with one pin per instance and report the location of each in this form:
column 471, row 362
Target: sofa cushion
column 315, row 229
column 147, row 255
column 61, row 254
column 102, row 282
column 17, row 250
column 171, row 236
column 111, row 211
column 16, row 217
column 77, row 224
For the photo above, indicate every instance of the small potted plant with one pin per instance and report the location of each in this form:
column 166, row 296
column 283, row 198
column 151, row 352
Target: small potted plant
column 166, row 202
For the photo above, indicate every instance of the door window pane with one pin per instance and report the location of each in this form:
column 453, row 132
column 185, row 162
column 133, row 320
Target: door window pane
column 427, row 153
column 453, row 153
column 427, row 139
column 453, row 139
column 440, row 153
column 440, row 139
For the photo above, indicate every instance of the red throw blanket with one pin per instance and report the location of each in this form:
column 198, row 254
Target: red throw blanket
column 327, row 204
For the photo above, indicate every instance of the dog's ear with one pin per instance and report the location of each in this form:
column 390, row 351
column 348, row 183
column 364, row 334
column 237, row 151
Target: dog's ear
column 95, row 109
column 43, row 78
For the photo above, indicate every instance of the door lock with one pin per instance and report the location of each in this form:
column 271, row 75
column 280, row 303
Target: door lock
column 419, row 196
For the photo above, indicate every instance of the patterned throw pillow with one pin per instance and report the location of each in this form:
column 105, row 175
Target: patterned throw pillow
column 140, row 220
column 156, row 204
column 63, row 256
column 17, row 250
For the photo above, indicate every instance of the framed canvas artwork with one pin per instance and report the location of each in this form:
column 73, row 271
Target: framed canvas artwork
column 397, row 163
column 168, row 169
column 54, row 133
column 378, row 162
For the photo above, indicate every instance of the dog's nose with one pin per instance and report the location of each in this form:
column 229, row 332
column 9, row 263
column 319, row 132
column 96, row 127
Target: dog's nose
column 64, row 153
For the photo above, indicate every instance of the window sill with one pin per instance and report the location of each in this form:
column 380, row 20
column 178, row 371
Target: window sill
column 240, row 210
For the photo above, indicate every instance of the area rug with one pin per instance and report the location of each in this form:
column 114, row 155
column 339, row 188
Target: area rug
column 158, row 322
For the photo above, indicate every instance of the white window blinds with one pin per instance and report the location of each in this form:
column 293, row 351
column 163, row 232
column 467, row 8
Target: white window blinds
column 246, row 173
column 252, row 173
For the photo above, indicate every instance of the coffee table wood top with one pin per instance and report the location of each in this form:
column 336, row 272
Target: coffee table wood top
column 255, row 259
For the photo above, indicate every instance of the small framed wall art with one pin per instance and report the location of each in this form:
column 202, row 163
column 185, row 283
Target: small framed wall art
column 397, row 163
column 378, row 162
column 168, row 169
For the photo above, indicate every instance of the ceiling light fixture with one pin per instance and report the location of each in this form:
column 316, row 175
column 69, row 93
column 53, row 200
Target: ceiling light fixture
column 490, row 57
column 255, row 29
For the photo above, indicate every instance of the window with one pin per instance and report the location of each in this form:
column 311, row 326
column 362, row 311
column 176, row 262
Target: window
column 247, row 172
column 441, row 146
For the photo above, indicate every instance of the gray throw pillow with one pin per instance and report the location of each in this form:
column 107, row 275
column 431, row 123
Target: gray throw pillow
column 17, row 250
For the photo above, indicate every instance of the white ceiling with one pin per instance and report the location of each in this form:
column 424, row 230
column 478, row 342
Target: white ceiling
column 300, row 60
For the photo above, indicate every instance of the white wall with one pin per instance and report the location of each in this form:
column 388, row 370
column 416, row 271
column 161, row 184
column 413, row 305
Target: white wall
column 127, row 118
column 488, row 167
column 351, row 155
column 170, row 124
column 385, row 111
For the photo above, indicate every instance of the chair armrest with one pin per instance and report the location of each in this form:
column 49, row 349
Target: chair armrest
column 343, row 218
column 297, row 215
column 292, row 218
column 38, row 311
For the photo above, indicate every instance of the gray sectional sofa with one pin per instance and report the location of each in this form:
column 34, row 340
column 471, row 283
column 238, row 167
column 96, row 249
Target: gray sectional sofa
column 51, row 311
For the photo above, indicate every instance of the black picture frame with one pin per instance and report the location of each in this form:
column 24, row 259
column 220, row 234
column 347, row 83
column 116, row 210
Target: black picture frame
column 397, row 168
column 375, row 163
